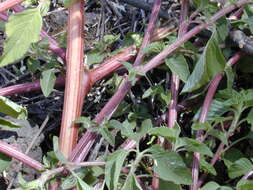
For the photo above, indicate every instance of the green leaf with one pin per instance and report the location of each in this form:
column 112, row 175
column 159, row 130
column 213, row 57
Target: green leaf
column 231, row 155
column 207, row 167
column 218, row 108
column 210, row 63
column 169, row 134
column 22, row 30
column 163, row 185
column 47, row 81
column 67, row 3
column 5, row 161
column 155, row 47
column 44, row 6
column 86, row 122
column 107, row 135
column 131, row 183
column 249, row 118
column 196, row 146
column 113, row 167
column 12, row 109
column 170, row 167
column 95, row 56
column 210, row 186
column 57, row 152
column 244, row 185
column 219, row 134
column 8, row 124
column 177, row 64
column 239, row 168
column 81, row 184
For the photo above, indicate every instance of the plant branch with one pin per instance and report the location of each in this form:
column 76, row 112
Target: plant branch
column 89, row 137
column 77, row 79
column 14, row 153
column 112, row 104
column 172, row 113
column 8, row 4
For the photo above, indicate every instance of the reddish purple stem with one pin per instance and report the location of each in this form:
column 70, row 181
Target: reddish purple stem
column 14, row 153
column 113, row 103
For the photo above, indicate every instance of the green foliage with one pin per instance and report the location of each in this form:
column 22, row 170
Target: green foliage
column 178, row 65
column 240, row 167
column 113, row 167
column 47, row 81
column 22, row 30
column 210, row 63
column 170, row 166
column 12, row 109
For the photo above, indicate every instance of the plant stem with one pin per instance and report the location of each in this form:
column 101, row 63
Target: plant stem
column 207, row 102
column 157, row 60
column 172, row 113
column 14, row 153
column 77, row 79
column 89, row 137
column 112, row 104
column 8, row 4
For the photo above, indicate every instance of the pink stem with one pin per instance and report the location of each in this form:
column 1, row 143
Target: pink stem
column 112, row 104
column 156, row 61
column 8, row 4
column 172, row 113
column 14, row 153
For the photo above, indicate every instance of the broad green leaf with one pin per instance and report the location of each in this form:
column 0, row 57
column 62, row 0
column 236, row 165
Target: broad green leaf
column 12, row 109
column 239, row 168
column 95, row 56
column 244, row 185
column 67, row 3
column 211, row 186
column 167, row 133
column 47, row 81
column 169, row 166
column 131, row 183
column 164, row 185
column 22, row 30
column 231, row 155
column 178, row 65
column 5, row 161
column 113, row 167
column 57, row 152
column 210, row 63
column 196, row 146
column 8, row 124
column 218, row 108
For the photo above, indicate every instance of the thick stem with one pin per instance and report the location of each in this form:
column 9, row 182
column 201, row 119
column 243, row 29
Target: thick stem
column 8, row 4
column 14, row 153
column 77, row 79
column 113, row 103
column 156, row 61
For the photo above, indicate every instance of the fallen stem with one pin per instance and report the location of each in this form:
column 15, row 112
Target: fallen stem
column 14, row 153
